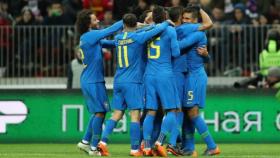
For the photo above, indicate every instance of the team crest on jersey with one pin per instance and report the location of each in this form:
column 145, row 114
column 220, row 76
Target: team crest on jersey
column 106, row 105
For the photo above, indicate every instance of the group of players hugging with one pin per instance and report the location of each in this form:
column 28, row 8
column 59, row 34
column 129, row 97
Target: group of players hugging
column 160, row 78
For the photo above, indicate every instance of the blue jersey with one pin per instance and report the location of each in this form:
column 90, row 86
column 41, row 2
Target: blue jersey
column 160, row 52
column 193, row 41
column 131, row 52
column 180, row 63
column 92, row 56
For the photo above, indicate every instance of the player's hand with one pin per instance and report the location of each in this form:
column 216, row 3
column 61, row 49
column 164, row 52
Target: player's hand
column 170, row 22
column 202, row 51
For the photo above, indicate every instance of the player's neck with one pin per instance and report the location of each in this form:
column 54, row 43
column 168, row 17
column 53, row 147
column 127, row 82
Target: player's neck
column 177, row 23
column 129, row 29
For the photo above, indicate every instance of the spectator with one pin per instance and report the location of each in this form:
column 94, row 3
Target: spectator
column 56, row 38
column 274, row 14
column 261, row 20
column 56, row 15
column 121, row 7
column 75, row 70
column 25, row 38
column 218, row 15
column 108, row 19
column 98, row 6
column 71, row 8
column 251, row 10
column 270, row 56
column 5, row 20
column 176, row 3
column 239, row 16
column 141, row 7
column 107, row 53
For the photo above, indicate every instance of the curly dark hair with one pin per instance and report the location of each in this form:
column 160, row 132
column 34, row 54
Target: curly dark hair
column 159, row 14
column 83, row 21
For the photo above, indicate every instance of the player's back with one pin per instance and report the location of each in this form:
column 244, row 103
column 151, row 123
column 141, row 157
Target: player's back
column 180, row 63
column 194, row 60
column 92, row 59
column 130, row 58
column 160, row 52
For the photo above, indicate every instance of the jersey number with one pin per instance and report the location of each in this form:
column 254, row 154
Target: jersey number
column 82, row 57
column 190, row 95
column 156, row 47
column 124, row 54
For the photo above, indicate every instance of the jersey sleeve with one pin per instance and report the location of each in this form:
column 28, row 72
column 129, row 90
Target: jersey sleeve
column 96, row 35
column 147, row 35
column 190, row 40
column 175, row 50
column 107, row 43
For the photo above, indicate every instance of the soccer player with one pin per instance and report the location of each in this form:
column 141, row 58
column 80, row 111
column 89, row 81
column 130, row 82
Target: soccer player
column 92, row 77
column 195, row 88
column 160, row 84
column 147, row 18
column 180, row 65
column 128, row 87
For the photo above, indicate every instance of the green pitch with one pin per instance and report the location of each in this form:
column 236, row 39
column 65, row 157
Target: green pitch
column 122, row 150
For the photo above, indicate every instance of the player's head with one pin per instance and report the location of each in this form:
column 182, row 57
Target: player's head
column 190, row 15
column 273, row 40
column 159, row 14
column 146, row 17
column 175, row 14
column 86, row 20
column 129, row 21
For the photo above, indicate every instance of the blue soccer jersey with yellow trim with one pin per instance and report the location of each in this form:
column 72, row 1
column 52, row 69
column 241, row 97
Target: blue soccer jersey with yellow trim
column 92, row 56
column 130, row 53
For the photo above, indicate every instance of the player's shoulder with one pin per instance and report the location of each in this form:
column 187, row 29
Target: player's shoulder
column 88, row 36
column 118, row 36
column 170, row 29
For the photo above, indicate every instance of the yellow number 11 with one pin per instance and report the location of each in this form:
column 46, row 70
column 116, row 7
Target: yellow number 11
column 124, row 56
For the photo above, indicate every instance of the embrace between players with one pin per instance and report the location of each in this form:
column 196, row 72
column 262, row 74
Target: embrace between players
column 160, row 70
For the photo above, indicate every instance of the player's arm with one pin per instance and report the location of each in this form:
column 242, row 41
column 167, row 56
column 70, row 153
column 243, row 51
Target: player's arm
column 147, row 35
column 206, row 21
column 175, row 49
column 97, row 35
column 190, row 40
column 146, row 28
column 107, row 43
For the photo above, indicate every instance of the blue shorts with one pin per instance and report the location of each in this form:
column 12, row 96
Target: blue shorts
column 180, row 84
column 161, row 89
column 195, row 89
column 96, row 97
column 128, row 96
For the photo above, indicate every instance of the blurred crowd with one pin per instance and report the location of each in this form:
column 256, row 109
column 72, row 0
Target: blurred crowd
column 264, row 14
column 63, row 12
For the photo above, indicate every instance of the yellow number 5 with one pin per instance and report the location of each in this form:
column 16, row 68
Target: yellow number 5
column 190, row 95
column 156, row 47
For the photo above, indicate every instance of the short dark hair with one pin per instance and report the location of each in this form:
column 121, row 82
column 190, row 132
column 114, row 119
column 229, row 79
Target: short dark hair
column 130, row 20
column 83, row 21
column 193, row 10
column 175, row 12
column 143, row 16
column 158, row 14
